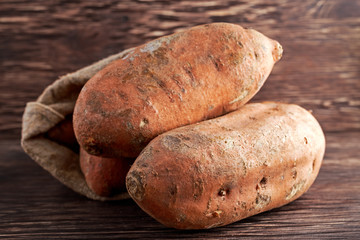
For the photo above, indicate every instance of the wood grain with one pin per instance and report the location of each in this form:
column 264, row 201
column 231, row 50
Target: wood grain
column 36, row 206
column 41, row 40
column 320, row 70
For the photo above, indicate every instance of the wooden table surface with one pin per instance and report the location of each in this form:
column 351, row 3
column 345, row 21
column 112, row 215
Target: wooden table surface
column 320, row 70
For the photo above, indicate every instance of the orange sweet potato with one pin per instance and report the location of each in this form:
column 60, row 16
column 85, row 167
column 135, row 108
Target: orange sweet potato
column 219, row 171
column 187, row 77
column 63, row 133
column 104, row 176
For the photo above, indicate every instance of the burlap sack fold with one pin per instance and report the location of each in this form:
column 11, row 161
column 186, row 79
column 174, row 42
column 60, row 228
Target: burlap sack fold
column 51, row 107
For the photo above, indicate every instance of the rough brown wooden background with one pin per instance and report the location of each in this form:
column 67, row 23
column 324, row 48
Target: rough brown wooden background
column 320, row 70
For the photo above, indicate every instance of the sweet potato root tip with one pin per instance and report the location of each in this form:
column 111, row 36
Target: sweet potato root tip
column 135, row 185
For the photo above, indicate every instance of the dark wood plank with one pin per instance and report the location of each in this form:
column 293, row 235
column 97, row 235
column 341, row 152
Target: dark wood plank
column 41, row 40
column 320, row 70
column 34, row 205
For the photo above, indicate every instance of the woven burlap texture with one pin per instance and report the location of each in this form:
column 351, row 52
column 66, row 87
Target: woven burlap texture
column 51, row 107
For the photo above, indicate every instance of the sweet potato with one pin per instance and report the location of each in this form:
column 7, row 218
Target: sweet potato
column 219, row 171
column 187, row 77
column 63, row 133
column 104, row 176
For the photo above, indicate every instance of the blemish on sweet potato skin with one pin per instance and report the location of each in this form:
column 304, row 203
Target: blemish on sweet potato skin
column 173, row 81
column 220, row 180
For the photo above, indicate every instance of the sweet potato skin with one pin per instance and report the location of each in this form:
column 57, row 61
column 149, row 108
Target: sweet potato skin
column 187, row 77
column 104, row 176
column 219, row 171
column 63, row 133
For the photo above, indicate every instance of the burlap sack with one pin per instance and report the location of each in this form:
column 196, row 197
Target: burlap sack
column 56, row 102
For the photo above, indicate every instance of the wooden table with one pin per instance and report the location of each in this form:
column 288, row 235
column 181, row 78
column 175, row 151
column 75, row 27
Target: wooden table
column 320, row 70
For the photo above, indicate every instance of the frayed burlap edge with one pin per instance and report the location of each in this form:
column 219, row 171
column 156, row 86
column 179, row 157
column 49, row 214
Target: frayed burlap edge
column 51, row 107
